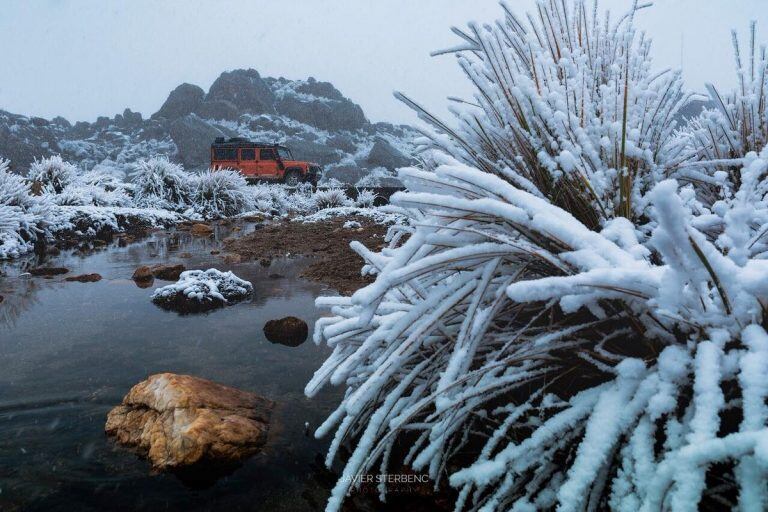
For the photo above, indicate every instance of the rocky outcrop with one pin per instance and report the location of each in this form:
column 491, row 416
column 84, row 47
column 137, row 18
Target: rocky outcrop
column 289, row 331
column 245, row 89
column 326, row 115
column 180, row 421
column 383, row 154
column 189, row 134
column 218, row 109
column 313, row 118
column 183, row 100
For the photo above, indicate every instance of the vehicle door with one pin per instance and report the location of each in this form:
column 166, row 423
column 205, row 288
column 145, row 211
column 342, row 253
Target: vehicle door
column 247, row 162
column 268, row 163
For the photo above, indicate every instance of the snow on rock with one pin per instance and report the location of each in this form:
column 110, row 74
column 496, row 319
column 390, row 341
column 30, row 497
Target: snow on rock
column 202, row 290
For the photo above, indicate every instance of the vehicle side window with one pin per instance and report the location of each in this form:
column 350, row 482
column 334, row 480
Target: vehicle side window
column 267, row 154
column 247, row 154
column 225, row 153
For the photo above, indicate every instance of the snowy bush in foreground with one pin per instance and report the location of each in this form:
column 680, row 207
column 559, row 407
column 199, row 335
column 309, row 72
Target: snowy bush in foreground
column 564, row 326
column 221, row 193
column 330, row 198
column 201, row 290
column 160, row 183
column 53, row 173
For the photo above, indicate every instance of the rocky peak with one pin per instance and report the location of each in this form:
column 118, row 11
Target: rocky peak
column 245, row 89
column 183, row 100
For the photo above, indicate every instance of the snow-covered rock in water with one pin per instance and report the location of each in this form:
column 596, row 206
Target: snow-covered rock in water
column 202, row 290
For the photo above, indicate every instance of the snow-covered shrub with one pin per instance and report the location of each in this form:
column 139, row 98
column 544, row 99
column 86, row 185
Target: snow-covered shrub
column 109, row 182
column 561, row 326
column 365, row 198
column 23, row 217
column 53, row 173
column 330, row 198
column 202, row 290
column 160, row 183
column 221, row 193
column 81, row 194
column 375, row 177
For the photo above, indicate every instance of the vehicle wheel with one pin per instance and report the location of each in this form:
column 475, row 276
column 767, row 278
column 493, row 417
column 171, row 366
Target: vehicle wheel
column 292, row 178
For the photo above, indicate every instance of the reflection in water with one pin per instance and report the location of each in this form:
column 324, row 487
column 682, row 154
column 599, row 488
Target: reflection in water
column 70, row 351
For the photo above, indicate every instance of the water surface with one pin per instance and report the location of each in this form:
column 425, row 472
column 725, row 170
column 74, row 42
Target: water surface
column 69, row 352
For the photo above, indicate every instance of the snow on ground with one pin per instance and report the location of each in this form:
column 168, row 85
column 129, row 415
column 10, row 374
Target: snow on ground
column 56, row 199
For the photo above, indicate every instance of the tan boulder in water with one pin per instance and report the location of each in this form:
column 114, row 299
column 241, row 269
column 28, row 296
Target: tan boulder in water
column 180, row 420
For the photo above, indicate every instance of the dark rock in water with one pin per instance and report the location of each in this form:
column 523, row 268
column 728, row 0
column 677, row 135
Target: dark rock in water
column 276, row 276
column 245, row 89
column 143, row 274
column 183, row 100
column 84, row 278
column 383, row 154
column 197, row 291
column 167, row 272
column 1, row 299
column 193, row 137
column 218, row 109
column 180, row 421
column 48, row 271
column 289, row 331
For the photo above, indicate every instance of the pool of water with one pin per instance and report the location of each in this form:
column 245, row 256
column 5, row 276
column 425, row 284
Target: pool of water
column 69, row 352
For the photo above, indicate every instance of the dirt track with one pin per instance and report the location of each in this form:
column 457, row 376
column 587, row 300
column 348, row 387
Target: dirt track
column 326, row 242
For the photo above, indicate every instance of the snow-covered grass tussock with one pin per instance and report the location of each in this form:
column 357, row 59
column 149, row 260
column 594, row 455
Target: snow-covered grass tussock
column 221, row 193
column 330, row 198
column 23, row 217
column 53, row 174
column 365, row 198
column 562, row 324
column 160, row 183
column 201, row 290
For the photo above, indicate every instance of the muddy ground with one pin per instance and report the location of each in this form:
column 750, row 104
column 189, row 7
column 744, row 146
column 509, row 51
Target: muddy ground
column 327, row 243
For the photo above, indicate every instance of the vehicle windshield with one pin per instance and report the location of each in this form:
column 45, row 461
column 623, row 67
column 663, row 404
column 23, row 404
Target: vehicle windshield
column 285, row 153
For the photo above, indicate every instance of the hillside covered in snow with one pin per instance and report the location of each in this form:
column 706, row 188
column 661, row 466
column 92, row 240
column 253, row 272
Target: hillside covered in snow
column 313, row 118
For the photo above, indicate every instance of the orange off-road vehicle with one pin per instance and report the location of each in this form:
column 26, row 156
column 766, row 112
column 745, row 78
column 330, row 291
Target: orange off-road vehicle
column 260, row 161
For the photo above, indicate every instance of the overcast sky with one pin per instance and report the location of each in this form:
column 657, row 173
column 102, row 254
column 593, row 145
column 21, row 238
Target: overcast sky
column 82, row 59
